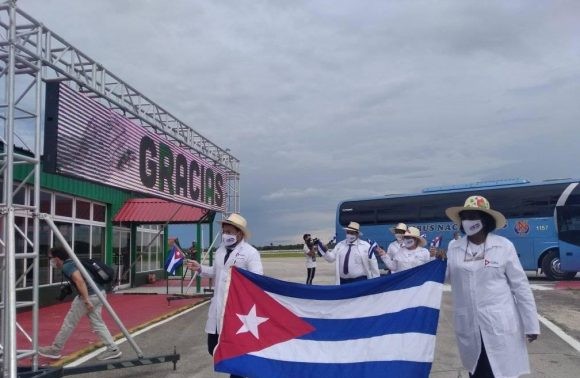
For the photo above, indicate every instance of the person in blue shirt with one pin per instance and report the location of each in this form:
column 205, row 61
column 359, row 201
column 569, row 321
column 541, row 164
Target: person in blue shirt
column 86, row 302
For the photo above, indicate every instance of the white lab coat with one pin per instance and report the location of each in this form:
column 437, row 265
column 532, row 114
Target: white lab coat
column 403, row 258
column 492, row 300
column 359, row 257
column 393, row 247
column 243, row 256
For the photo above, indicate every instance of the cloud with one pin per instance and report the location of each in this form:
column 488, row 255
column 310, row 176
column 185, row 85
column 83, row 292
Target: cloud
column 326, row 100
column 287, row 193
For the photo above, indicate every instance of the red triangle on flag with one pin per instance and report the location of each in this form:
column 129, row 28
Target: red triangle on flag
column 250, row 312
column 178, row 254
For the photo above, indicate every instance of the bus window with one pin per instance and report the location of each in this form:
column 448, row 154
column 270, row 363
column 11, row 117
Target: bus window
column 398, row 212
column 357, row 212
column 525, row 202
column 433, row 207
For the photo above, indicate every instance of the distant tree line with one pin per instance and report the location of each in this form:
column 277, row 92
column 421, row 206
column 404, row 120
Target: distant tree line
column 285, row 247
column 279, row 247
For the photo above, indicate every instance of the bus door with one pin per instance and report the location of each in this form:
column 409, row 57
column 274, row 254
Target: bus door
column 568, row 223
column 525, row 249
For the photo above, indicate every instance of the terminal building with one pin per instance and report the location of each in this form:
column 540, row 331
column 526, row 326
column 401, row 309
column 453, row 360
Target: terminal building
column 88, row 159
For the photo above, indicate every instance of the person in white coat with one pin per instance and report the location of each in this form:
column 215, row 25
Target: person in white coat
column 399, row 230
column 409, row 255
column 494, row 308
column 233, row 251
column 354, row 259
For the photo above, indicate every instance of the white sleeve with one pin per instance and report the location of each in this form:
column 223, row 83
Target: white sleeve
column 389, row 261
column 390, row 251
column 374, row 267
column 255, row 263
column 425, row 256
column 207, row 271
column 330, row 255
column 522, row 292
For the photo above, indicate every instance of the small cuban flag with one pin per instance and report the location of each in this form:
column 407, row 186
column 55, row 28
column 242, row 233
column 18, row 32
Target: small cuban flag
column 373, row 248
column 384, row 327
column 436, row 242
column 174, row 260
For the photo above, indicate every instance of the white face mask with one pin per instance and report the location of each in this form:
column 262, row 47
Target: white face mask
column 471, row 227
column 399, row 237
column 350, row 238
column 229, row 240
column 53, row 263
column 409, row 243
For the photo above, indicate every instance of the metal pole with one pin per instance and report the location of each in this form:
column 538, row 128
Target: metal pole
column 10, row 357
column 36, row 196
column 198, row 254
column 92, row 283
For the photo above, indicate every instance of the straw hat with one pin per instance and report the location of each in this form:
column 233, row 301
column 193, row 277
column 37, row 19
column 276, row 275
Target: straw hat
column 477, row 203
column 400, row 227
column 414, row 232
column 353, row 226
column 238, row 222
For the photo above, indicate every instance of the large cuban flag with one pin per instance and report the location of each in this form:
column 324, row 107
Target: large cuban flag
column 384, row 327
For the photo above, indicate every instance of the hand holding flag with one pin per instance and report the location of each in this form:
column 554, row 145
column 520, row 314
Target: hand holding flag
column 436, row 242
column 373, row 248
column 434, row 246
column 321, row 248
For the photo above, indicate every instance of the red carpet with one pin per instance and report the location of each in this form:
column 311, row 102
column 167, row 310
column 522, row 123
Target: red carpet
column 135, row 311
column 177, row 283
column 568, row 285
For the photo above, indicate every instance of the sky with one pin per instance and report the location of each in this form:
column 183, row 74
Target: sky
column 323, row 101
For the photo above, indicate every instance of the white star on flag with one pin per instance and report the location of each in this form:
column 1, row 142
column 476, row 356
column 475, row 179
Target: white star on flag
column 251, row 322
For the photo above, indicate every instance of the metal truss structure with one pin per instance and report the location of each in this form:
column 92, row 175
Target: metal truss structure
column 31, row 54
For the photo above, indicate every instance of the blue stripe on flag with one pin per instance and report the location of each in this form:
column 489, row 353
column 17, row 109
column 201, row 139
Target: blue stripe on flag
column 258, row 367
column 415, row 319
column 432, row 271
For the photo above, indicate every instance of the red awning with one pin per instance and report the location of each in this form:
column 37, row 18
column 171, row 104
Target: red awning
column 154, row 210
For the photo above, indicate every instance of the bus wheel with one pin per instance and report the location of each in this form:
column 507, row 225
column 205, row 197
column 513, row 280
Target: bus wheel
column 551, row 267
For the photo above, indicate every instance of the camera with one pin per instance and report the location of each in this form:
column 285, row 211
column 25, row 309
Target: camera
column 311, row 242
column 65, row 291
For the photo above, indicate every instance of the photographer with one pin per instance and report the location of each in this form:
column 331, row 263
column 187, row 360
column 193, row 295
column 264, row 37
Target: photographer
column 310, row 253
column 85, row 303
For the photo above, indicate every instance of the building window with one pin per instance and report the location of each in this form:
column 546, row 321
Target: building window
column 72, row 217
column 99, row 212
column 44, row 235
column 82, row 244
column 98, row 243
column 20, row 196
column 65, row 230
column 83, row 209
column 45, row 202
column 122, row 254
column 149, row 250
column 20, row 247
column 63, row 206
